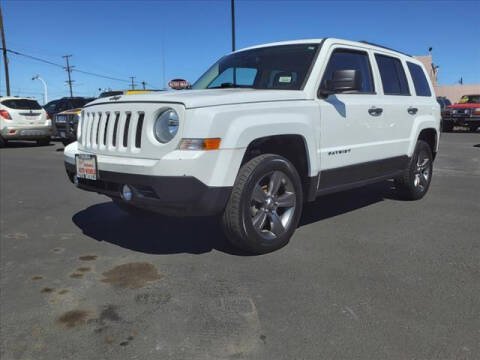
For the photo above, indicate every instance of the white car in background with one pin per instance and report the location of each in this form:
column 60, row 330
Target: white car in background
column 23, row 119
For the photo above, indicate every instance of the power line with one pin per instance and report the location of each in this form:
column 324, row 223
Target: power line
column 62, row 66
column 102, row 76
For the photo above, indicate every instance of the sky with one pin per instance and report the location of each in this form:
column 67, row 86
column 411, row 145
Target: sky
column 158, row 40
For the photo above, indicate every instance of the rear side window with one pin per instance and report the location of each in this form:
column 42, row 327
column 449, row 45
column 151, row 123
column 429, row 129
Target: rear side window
column 22, row 104
column 393, row 76
column 419, row 80
column 343, row 59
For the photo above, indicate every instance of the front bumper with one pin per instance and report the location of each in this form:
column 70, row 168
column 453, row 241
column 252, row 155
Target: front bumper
column 66, row 130
column 168, row 195
column 26, row 132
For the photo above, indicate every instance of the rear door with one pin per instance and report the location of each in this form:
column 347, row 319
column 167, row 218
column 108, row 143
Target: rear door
column 399, row 106
column 25, row 112
column 424, row 100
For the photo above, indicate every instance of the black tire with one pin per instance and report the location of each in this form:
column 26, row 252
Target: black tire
column 3, row 142
column 473, row 128
column 43, row 142
column 239, row 213
column 413, row 185
column 132, row 210
column 447, row 126
column 66, row 142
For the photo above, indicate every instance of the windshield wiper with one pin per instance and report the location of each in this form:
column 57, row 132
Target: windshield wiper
column 228, row 85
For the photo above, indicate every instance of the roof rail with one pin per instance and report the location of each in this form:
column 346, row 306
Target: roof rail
column 383, row 47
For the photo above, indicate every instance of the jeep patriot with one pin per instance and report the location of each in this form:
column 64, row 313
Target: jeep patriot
column 262, row 131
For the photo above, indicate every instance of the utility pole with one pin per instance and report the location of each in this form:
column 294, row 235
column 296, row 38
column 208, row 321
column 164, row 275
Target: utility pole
column 69, row 71
column 233, row 24
column 143, row 84
column 5, row 60
column 133, row 83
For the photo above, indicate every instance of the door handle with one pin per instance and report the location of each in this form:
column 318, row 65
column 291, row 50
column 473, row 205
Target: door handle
column 374, row 111
column 412, row 110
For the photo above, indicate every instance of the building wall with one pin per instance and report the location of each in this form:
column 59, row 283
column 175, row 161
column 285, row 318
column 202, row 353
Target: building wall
column 455, row 92
column 451, row 92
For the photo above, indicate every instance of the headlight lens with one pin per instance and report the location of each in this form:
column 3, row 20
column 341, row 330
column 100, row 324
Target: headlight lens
column 166, row 126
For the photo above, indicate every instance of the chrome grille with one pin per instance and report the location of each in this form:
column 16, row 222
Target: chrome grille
column 112, row 130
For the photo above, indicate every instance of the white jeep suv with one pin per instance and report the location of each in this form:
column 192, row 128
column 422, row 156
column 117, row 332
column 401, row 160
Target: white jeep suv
column 262, row 131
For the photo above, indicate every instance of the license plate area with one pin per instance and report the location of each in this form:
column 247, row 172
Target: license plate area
column 86, row 166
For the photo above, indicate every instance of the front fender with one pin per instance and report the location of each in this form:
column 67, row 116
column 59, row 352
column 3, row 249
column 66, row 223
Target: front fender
column 239, row 125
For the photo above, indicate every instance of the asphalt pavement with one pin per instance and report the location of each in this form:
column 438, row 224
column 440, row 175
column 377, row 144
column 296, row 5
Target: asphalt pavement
column 366, row 275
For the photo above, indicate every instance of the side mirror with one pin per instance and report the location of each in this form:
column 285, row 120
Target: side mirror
column 342, row 80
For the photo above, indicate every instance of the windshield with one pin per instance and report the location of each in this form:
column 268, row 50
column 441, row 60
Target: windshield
column 22, row 104
column 283, row 67
column 470, row 99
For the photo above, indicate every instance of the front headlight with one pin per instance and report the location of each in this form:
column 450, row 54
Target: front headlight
column 166, row 126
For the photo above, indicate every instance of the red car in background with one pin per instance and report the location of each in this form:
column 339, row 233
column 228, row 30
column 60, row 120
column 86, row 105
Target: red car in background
column 464, row 113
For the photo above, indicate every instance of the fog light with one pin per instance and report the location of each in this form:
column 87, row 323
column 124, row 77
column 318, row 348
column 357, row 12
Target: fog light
column 127, row 193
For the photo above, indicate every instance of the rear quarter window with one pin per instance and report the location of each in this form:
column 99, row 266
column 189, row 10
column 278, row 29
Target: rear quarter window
column 393, row 76
column 21, row 104
column 419, row 80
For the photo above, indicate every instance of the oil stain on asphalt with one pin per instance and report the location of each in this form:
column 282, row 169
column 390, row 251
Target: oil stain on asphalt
column 37, row 277
column 88, row 257
column 76, row 276
column 74, row 318
column 83, row 269
column 131, row 275
column 47, row 290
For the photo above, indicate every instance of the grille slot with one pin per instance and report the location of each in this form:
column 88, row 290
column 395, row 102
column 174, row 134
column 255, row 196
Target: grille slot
column 125, row 130
column 138, row 134
column 98, row 128
column 115, row 127
column 105, row 129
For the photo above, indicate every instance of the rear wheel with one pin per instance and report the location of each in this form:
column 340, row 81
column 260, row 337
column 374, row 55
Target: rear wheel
column 3, row 142
column 414, row 183
column 473, row 128
column 43, row 142
column 265, row 205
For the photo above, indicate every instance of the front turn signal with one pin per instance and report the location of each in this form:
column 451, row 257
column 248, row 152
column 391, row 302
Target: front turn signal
column 200, row 144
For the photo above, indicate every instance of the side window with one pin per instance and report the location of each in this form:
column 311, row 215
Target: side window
column 343, row 59
column 393, row 76
column 419, row 80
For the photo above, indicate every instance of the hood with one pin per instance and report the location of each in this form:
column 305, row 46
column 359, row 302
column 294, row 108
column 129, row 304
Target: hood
column 212, row 97
column 70, row 112
column 464, row 106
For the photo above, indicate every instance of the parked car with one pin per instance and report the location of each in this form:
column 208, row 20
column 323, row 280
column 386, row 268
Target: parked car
column 262, row 131
column 23, row 119
column 66, row 103
column 66, row 124
column 464, row 113
column 65, row 121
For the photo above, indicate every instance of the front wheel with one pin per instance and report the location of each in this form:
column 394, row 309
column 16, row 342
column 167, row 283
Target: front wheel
column 473, row 128
column 414, row 183
column 265, row 205
column 447, row 126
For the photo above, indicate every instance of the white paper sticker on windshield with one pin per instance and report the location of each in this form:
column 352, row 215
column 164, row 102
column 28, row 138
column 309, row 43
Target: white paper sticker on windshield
column 285, row 79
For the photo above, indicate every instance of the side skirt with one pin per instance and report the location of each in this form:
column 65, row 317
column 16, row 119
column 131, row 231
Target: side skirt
column 352, row 176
